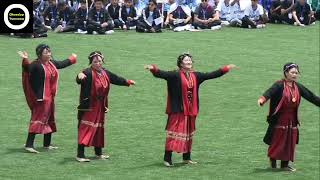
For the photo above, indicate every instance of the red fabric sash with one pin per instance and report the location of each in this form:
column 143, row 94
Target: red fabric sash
column 190, row 109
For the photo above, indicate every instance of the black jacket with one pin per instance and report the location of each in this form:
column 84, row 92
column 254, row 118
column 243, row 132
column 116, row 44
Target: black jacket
column 86, row 86
column 37, row 75
column 274, row 93
column 173, row 79
column 94, row 19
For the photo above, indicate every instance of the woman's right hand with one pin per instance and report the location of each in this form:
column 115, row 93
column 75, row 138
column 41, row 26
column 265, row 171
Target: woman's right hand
column 23, row 54
column 148, row 67
column 260, row 101
column 81, row 76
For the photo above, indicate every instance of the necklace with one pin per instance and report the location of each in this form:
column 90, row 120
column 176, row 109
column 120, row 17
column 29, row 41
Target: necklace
column 293, row 98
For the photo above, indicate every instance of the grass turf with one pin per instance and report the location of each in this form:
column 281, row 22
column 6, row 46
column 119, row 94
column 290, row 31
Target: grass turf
column 228, row 142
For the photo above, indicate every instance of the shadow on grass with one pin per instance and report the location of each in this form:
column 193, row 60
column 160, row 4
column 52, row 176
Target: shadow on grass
column 265, row 170
column 71, row 159
column 160, row 165
column 22, row 150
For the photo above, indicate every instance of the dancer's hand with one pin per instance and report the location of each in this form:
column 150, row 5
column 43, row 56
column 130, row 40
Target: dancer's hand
column 148, row 67
column 81, row 76
column 232, row 66
column 74, row 55
column 131, row 82
column 260, row 101
column 23, row 54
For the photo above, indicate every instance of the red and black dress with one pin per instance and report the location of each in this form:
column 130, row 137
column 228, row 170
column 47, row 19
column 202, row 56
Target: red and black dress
column 40, row 85
column 93, row 106
column 183, row 106
column 283, row 134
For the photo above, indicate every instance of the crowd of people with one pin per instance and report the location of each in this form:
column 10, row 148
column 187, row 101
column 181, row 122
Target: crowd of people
column 104, row 16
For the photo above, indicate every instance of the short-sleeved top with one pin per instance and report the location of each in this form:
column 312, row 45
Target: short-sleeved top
column 236, row 11
column 225, row 10
column 254, row 13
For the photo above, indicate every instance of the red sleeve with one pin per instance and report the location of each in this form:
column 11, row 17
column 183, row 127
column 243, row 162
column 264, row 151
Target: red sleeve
column 25, row 64
column 155, row 69
column 225, row 69
column 72, row 59
column 130, row 82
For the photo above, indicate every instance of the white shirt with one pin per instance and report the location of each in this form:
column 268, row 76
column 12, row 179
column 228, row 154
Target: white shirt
column 254, row 14
column 225, row 10
column 236, row 11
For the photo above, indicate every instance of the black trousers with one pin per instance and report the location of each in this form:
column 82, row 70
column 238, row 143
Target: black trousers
column 80, row 153
column 206, row 26
column 168, row 155
column 98, row 29
column 246, row 22
column 144, row 27
column 31, row 137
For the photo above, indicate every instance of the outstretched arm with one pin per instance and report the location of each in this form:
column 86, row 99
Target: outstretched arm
column 308, row 95
column 159, row 73
column 215, row 74
column 269, row 93
column 65, row 63
column 118, row 80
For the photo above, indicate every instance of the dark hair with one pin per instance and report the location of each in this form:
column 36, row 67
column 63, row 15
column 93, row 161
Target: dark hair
column 98, row 0
column 83, row 2
column 181, row 57
column 94, row 54
column 40, row 48
column 153, row 1
column 288, row 66
column 61, row 4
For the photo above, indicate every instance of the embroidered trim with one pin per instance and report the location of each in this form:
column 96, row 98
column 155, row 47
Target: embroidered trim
column 39, row 122
column 92, row 124
column 180, row 136
column 286, row 127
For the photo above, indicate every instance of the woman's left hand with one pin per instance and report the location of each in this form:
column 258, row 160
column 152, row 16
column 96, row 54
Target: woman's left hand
column 23, row 54
column 232, row 66
column 131, row 82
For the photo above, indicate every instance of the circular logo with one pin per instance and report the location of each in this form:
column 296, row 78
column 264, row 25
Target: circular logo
column 25, row 16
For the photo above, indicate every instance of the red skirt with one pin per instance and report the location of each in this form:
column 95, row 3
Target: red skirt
column 91, row 127
column 180, row 130
column 42, row 117
column 284, row 138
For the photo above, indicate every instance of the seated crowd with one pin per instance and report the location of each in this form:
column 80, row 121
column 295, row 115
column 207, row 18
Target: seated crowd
column 102, row 16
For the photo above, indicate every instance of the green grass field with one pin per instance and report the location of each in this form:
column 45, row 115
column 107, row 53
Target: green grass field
column 228, row 142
